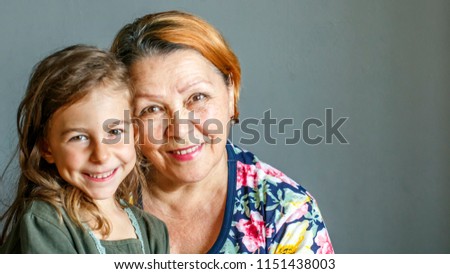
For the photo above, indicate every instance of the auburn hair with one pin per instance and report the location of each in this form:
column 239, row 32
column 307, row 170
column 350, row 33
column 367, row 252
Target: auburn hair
column 164, row 32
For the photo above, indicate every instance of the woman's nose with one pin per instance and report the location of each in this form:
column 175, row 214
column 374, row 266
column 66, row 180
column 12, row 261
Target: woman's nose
column 181, row 126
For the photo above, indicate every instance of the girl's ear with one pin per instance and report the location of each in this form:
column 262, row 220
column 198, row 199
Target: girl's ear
column 46, row 152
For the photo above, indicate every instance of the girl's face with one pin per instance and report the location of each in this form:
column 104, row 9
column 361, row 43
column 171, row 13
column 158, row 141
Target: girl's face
column 91, row 142
column 184, row 106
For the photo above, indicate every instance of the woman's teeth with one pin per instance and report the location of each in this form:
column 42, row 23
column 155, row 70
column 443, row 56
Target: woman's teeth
column 186, row 151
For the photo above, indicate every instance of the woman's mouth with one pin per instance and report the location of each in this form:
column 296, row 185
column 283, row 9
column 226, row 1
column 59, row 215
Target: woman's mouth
column 186, row 154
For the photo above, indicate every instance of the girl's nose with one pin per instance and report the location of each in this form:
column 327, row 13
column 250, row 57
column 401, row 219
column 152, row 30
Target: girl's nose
column 100, row 152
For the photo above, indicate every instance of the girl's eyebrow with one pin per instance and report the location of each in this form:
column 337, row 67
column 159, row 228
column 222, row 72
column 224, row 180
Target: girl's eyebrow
column 116, row 122
column 75, row 129
column 113, row 122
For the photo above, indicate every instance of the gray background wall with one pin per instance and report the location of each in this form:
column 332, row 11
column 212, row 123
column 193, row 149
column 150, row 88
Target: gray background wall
column 384, row 64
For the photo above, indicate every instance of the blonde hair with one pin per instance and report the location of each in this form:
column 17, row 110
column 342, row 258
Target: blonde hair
column 165, row 32
column 58, row 81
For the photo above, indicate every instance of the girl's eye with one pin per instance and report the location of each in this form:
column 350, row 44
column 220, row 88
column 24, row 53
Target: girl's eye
column 116, row 131
column 78, row 138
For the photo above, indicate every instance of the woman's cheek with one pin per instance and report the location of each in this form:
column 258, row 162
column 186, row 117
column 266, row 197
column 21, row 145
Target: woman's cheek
column 152, row 133
column 213, row 126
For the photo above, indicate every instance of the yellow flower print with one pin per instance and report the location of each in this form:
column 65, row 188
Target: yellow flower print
column 299, row 203
column 295, row 240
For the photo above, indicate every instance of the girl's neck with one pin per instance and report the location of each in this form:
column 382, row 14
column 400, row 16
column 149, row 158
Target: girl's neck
column 121, row 227
column 108, row 206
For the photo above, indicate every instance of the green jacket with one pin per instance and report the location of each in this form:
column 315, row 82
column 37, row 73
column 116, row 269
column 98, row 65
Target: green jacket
column 40, row 230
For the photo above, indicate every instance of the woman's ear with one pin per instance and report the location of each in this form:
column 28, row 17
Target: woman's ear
column 46, row 152
column 230, row 89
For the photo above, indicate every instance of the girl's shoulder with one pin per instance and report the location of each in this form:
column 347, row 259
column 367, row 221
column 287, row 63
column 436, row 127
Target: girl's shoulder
column 153, row 230
column 147, row 218
column 44, row 210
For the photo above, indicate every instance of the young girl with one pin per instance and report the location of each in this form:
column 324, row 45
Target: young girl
column 78, row 162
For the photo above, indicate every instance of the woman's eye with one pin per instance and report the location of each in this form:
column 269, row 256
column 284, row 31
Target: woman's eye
column 78, row 138
column 198, row 97
column 150, row 110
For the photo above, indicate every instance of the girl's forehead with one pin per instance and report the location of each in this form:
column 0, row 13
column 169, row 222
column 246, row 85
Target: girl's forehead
column 122, row 90
column 101, row 94
column 102, row 103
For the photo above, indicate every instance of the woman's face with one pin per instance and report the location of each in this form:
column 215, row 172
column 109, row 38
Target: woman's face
column 184, row 108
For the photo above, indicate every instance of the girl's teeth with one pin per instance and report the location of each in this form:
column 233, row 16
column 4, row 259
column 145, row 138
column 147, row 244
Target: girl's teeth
column 101, row 176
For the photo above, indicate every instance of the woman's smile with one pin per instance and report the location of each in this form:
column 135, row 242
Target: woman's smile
column 186, row 154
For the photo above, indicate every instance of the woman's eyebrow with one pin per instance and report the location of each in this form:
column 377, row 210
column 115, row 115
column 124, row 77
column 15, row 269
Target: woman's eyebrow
column 194, row 83
column 147, row 95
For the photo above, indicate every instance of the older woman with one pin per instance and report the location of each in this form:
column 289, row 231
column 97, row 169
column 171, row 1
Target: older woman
column 213, row 196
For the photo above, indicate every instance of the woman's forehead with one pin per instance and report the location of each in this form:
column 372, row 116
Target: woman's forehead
column 180, row 69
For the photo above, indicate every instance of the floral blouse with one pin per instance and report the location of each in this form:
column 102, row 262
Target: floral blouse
column 267, row 212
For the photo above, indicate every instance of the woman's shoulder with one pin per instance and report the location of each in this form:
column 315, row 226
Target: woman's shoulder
column 254, row 172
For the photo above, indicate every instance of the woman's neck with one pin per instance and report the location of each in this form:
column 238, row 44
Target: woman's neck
column 192, row 212
column 174, row 195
